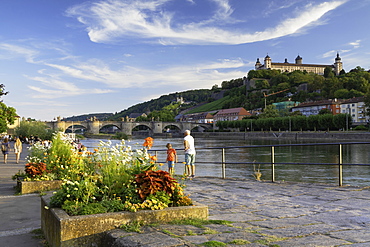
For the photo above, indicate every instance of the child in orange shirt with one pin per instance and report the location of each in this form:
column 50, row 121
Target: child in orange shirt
column 171, row 158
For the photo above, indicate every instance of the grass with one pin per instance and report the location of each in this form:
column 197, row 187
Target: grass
column 212, row 106
column 239, row 242
column 133, row 226
column 213, row 244
column 199, row 222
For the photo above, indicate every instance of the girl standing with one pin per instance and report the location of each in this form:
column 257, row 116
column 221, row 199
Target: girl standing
column 17, row 149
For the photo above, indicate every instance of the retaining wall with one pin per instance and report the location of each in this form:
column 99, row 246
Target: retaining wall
column 62, row 230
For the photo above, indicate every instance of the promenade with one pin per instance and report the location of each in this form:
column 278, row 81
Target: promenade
column 260, row 214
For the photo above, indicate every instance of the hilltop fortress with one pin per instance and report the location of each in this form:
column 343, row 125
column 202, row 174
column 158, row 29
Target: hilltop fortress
column 298, row 65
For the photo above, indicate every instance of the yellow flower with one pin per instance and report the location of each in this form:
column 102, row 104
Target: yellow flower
column 160, row 164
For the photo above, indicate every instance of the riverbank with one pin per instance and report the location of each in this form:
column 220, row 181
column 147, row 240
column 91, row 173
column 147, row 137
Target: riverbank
column 257, row 135
column 293, row 136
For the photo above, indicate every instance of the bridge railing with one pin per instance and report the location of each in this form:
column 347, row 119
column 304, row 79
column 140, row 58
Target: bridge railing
column 223, row 162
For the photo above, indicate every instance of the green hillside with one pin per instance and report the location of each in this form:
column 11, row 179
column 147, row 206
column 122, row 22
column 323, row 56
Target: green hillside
column 268, row 86
column 212, row 106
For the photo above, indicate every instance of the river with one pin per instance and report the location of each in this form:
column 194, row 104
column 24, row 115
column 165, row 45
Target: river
column 205, row 158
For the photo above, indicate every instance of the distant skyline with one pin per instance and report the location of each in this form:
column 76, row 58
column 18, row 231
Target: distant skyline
column 72, row 57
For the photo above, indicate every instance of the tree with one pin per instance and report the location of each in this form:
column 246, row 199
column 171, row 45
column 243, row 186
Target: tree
column 269, row 111
column 34, row 128
column 7, row 113
column 328, row 72
column 342, row 121
column 325, row 111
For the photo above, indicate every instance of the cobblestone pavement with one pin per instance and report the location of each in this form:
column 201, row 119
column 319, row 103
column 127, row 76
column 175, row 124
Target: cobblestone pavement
column 260, row 214
column 19, row 214
column 269, row 214
column 286, row 214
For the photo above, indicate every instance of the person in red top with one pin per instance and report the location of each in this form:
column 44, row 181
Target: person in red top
column 171, row 158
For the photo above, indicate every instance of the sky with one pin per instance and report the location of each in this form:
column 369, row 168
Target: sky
column 72, row 57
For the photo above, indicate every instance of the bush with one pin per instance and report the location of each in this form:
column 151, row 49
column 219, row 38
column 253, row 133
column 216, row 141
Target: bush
column 361, row 127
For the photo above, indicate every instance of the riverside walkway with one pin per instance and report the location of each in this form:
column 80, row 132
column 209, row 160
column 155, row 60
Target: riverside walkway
column 260, row 214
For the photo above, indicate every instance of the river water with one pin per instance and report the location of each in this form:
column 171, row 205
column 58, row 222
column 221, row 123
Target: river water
column 206, row 159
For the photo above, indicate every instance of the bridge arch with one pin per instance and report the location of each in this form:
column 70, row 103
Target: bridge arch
column 110, row 128
column 172, row 128
column 94, row 127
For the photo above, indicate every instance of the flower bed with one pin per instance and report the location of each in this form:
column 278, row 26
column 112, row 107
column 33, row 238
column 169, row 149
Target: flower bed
column 112, row 178
column 62, row 230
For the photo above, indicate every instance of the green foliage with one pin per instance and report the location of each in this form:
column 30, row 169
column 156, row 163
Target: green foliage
column 361, row 127
column 340, row 121
column 34, row 128
column 215, row 105
column 269, row 112
column 133, row 226
column 213, row 244
column 232, row 83
column 7, row 114
column 113, row 178
column 195, row 96
column 294, row 123
column 199, row 222
column 325, row 111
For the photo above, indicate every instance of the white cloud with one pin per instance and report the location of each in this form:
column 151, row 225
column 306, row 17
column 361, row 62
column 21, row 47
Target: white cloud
column 110, row 20
column 355, row 44
column 14, row 50
column 62, row 83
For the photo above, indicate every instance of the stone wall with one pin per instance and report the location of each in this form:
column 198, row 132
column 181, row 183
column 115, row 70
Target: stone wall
column 62, row 230
column 27, row 187
column 329, row 136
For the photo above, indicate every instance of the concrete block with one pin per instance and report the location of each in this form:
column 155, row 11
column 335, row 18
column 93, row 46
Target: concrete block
column 62, row 230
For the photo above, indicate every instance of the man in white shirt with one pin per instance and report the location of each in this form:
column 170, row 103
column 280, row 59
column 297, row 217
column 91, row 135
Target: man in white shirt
column 189, row 154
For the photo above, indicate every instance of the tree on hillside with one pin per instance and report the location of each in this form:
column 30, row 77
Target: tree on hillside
column 269, row 112
column 7, row 114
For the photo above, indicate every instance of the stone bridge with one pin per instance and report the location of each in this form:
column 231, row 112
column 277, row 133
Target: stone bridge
column 94, row 127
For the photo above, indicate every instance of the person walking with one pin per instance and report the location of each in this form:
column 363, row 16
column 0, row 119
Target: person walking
column 5, row 146
column 17, row 149
column 189, row 148
column 171, row 158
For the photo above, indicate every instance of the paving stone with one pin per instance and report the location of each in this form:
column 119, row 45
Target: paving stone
column 354, row 236
column 155, row 239
column 283, row 223
column 311, row 241
column 299, row 231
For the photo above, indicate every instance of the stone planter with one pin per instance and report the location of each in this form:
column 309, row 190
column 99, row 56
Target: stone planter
column 27, row 187
column 62, row 230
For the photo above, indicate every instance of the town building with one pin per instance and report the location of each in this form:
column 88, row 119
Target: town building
column 231, row 114
column 356, row 108
column 313, row 108
column 201, row 117
column 299, row 65
column 132, row 117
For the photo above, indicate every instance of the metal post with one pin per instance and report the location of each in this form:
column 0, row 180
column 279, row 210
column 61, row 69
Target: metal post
column 223, row 164
column 272, row 164
column 340, row 165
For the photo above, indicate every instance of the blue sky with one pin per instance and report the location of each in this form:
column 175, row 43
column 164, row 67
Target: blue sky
column 73, row 57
